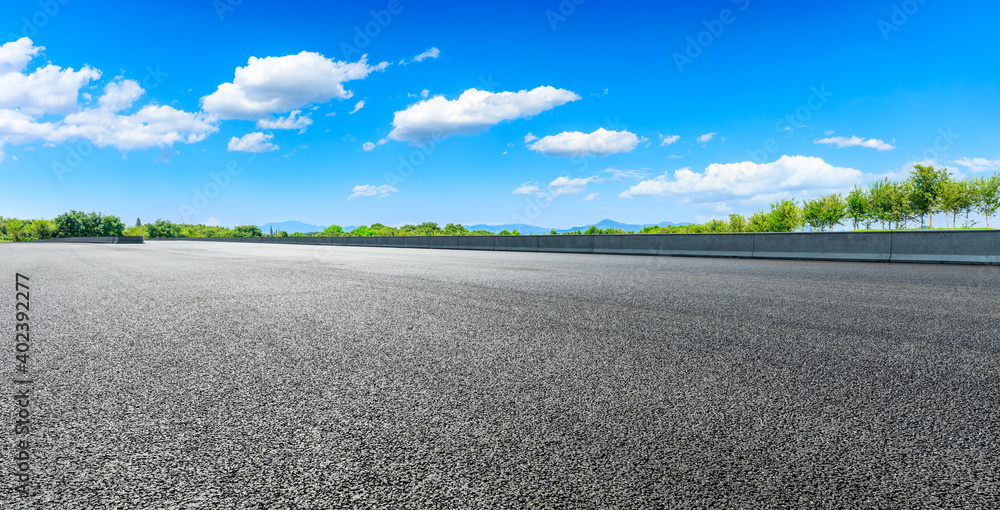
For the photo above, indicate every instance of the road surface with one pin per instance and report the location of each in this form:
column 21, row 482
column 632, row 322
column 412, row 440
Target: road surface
column 215, row 375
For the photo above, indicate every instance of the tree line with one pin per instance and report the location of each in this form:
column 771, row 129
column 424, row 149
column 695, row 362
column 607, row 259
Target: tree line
column 911, row 203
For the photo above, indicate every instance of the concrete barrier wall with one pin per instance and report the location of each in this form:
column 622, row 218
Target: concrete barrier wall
column 476, row 243
column 574, row 243
column 627, row 244
column 516, row 243
column 958, row 247
column 443, row 242
column 706, row 245
column 855, row 246
column 101, row 240
column 394, row 242
column 955, row 247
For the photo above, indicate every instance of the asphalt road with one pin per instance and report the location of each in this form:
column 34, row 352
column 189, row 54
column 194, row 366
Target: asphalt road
column 213, row 375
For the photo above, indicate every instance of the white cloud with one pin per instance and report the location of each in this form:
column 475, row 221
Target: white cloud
column 151, row 126
column 212, row 222
column 592, row 197
column 424, row 93
column 707, row 137
column 253, row 142
column 567, row 186
column 368, row 146
column 528, row 138
column 573, row 144
column 120, row 95
column 282, row 84
column 52, row 91
column 748, row 179
column 473, row 112
column 48, row 90
column 369, row 190
column 360, row 105
column 292, row 121
column 560, row 186
column 976, row 165
column 617, row 175
column 667, row 140
column 854, row 141
column 431, row 53
column 528, row 188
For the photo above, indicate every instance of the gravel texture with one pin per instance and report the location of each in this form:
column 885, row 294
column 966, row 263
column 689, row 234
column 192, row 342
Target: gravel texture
column 215, row 375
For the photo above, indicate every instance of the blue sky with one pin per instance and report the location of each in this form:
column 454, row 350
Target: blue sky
column 554, row 113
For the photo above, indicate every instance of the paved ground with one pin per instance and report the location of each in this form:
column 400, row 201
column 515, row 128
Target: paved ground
column 211, row 375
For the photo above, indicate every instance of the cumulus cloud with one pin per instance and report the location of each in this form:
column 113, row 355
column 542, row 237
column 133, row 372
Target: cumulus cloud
column 707, row 137
column 976, row 165
column 473, row 112
column 854, row 141
column 574, row 144
column 748, row 179
column 282, row 84
column 667, row 140
column 360, row 105
column 431, row 53
column 294, row 120
column 369, row 190
column 253, row 142
column 47, row 90
column 592, row 197
column 53, row 91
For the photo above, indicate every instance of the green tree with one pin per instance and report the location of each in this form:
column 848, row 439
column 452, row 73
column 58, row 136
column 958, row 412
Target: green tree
column 950, row 198
column 15, row 230
column 111, row 226
column 989, row 196
column 282, row 234
column 760, row 221
column 247, row 231
column 858, row 205
column 812, row 213
column 332, row 231
column 455, row 229
column 162, row 228
column 926, row 182
column 505, row 232
column 786, row 216
column 737, row 223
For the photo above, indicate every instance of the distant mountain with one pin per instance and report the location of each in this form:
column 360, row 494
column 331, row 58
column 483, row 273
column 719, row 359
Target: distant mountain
column 605, row 224
column 510, row 227
column 291, row 227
